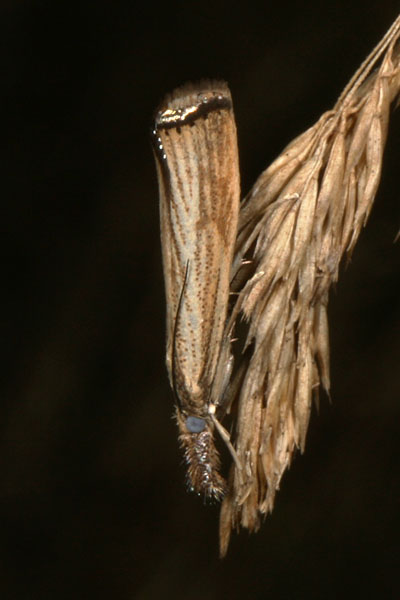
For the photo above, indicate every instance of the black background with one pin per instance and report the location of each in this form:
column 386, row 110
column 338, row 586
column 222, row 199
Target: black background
column 92, row 499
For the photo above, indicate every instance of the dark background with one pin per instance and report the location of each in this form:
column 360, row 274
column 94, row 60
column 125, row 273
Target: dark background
column 92, row 497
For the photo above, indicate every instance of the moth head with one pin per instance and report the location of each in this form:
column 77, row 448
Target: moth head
column 195, row 424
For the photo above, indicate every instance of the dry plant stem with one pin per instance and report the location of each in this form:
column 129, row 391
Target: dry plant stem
column 303, row 213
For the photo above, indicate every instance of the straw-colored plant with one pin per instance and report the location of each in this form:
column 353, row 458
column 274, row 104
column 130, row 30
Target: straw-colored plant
column 302, row 215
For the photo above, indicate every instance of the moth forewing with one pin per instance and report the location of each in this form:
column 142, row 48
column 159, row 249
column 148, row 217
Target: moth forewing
column 197, row 163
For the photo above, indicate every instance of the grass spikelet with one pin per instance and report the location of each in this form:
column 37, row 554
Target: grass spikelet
column 302, row 215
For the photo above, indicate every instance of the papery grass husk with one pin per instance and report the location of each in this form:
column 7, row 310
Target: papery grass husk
column 302, row 215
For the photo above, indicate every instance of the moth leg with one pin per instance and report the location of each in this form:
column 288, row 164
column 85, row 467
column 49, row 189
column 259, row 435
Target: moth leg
column 224, row 435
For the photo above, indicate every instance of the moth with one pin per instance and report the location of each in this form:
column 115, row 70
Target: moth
column 195, row 147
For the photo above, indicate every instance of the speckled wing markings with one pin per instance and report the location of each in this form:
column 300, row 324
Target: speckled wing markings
column 197, row 163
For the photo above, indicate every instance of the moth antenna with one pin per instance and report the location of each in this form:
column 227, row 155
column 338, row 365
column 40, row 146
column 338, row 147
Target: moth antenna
column 173, row 359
